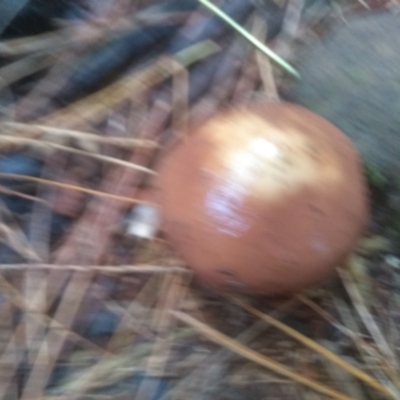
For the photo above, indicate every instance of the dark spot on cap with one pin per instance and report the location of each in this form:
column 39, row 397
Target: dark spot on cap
column 226, row 272
column 316, row 210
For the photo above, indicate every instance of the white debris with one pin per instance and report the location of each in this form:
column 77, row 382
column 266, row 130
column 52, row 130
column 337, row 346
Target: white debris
column 144, row 221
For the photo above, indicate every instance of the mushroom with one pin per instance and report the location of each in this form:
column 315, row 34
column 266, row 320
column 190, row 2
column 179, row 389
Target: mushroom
column 263, row 199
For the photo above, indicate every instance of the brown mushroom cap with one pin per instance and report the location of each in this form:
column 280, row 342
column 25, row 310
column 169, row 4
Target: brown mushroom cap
column 265, row 199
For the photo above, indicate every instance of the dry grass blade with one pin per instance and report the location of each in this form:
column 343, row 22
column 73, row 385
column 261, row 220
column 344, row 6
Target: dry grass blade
column 19, row 301
column 44, row 42
column 100, row 157
column 367, row 318
column 290, row 27
column 31, row 130
column 11, row 192
column 15, row 238
column 364, row 4
column 355, row 336
column 54, row 341
column 73, row 187
column 6, row 140
column 105, row 373
column 222, row 83
column 10, row 347
column 253, row 40
column 248, row 79
column 9, row 362
column 137, row 313
column 19, row 69
column 252, row 355
column 102, row 372
column 376, row 362
column 373, row 245
column 316, row 347
column 337, row 374
column 223, row 357
column 87, row 33
column 34, row 280
column 10, row 359
column 388, row 362
column 115, row 269
column 173, row 291
column 93, row 107
column 180, row 96
column 263, row 63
